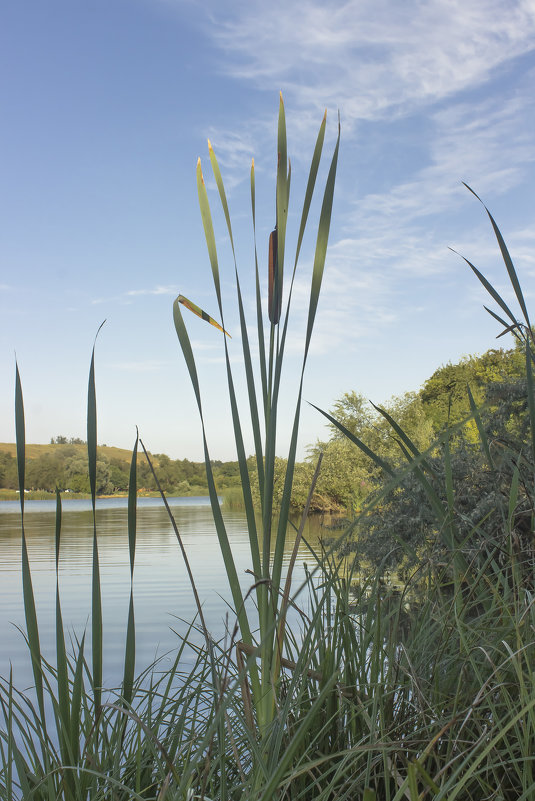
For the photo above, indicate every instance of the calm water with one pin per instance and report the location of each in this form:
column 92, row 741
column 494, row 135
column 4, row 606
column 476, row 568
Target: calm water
column 162, row 594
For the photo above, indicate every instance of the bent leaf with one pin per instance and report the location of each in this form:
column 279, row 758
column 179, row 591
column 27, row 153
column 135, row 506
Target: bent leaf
column 200, row 313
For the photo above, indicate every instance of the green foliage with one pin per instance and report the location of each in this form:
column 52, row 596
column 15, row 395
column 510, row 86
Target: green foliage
column 444, row 395
column 403, row 526
column 8, row 471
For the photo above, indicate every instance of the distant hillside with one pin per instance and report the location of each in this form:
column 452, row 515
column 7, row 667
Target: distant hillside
column 36, row 450
column 65, row 466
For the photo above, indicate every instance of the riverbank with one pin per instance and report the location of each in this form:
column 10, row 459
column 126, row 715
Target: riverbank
column 42, row 495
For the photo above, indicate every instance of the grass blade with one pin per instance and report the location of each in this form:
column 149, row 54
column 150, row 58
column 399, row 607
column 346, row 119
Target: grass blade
column 96, row 600
column 130, row 646
column 490, row 289
column 507, row 261
column 32, row 628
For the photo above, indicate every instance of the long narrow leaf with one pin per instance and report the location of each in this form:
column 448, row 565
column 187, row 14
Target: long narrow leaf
column 490, row 289
column 531, row 399
column 96, row 600
column 32, row 628
column 321, row 242
column 358, row 442
column 507, row 261
column 251, row 388
column 130, row 645
column 61, row 654
column 200, row 313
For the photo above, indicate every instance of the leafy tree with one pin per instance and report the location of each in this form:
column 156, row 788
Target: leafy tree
column 8, row 471
column 45, row 472
column 480, row 471
column 77, row 475
column 119, row 475
column 444, row 394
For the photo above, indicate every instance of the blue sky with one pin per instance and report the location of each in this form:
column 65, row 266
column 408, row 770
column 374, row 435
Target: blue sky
column 106, row 107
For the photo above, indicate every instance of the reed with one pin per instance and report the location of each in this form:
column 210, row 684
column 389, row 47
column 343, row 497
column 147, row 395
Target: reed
column 264, row 674
column 373, row 694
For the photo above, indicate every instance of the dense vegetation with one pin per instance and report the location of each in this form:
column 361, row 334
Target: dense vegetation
column 348, row 476
column 63, row 465
column 383, row 693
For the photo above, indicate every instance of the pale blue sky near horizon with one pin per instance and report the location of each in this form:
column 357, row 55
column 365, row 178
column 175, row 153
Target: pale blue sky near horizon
column 106, row 108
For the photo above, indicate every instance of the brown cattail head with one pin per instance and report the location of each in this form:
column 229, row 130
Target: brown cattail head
column 275, row 286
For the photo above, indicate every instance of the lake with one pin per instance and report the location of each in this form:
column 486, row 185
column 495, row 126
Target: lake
column 164, row 603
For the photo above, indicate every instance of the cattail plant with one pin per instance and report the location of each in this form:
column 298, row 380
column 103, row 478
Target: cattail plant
column 263, row 405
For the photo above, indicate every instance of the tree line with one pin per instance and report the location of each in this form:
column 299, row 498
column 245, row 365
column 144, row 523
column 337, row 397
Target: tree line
column 63, row 465
column 496, row 380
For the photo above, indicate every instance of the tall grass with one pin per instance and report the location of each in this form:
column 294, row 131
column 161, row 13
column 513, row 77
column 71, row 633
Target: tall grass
column 372, row 694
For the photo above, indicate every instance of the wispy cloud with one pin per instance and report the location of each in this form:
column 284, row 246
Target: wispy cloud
column 157, row 290
column 127, row 297
column 372, row 57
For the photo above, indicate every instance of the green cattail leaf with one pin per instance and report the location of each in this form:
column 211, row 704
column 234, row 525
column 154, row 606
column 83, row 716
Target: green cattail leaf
column 92, row 424
column 312, row 175
column 76, row 699
column 20, row 437
column 321, row 243
column 317, row 275
column 434, row 499
column 132, row 506
column 282, row 192
column 507, row 260
column 96, row 625
column 130, row 647
column 58, row 527
column 96, row 600
column 251, row 388
column 222, row 194
column 224, row 543
column 296, row 742
column 513, row 328
column 63, row 680
column 61, row 654
column 490, row 289
column 129, row 653
column 209, row 234
column 32, row 629
column 358, row 442
column 531, row 398
column 403, row 436
column 260, row 333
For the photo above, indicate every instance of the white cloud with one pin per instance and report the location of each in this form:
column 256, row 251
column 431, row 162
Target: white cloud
column 372, row 57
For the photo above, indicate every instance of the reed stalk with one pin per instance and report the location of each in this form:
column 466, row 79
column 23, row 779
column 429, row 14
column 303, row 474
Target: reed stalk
column 265, row 676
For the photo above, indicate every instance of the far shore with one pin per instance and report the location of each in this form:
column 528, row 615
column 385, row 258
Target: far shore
column 43, row 495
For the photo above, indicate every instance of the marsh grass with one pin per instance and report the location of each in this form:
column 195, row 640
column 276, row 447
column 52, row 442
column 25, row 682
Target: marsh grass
column 363, row 697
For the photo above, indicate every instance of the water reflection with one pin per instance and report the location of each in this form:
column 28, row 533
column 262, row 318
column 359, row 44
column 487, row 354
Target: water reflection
column 164, row 603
